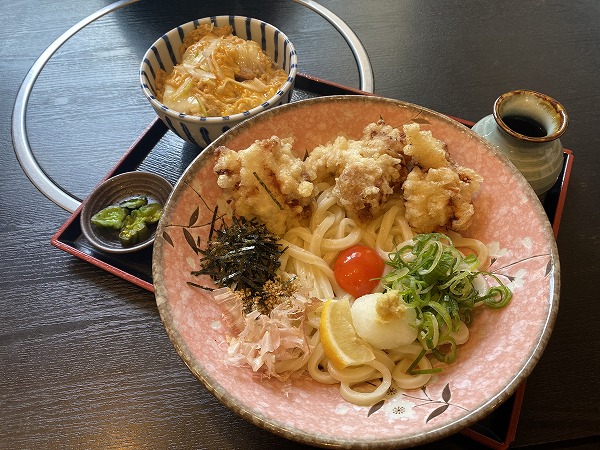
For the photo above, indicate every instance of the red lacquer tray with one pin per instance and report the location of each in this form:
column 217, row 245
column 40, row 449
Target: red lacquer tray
column 160, row 151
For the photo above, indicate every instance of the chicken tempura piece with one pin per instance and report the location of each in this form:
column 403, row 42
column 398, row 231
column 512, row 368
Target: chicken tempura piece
column 438, row 192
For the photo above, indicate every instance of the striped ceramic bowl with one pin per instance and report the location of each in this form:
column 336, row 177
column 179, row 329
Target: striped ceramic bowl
column 164, row 54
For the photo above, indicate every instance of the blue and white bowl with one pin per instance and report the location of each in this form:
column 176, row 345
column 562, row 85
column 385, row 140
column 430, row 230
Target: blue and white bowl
column 164, row 54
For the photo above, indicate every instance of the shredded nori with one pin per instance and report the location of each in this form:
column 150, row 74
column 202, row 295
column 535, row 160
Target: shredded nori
column 242, row 255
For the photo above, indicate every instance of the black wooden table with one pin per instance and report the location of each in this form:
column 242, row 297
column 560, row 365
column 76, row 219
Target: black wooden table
column 84, row 359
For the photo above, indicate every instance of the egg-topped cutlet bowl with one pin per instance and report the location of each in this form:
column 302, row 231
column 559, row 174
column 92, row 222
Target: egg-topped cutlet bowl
column 504, row 344
column 244, row 66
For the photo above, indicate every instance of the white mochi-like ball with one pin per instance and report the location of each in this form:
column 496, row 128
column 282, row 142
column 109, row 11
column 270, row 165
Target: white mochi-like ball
column 384, row 320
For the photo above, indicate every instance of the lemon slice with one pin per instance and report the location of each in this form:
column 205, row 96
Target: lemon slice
column 340, row 342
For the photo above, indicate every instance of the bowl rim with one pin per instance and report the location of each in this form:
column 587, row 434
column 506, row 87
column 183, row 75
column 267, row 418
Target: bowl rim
column 286, row 87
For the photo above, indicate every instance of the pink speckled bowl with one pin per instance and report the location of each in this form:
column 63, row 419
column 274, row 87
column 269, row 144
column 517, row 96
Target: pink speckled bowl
column 504, row 346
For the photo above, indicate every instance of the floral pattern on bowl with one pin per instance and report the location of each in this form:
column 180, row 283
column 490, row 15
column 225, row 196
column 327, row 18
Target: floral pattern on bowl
column 504, row 345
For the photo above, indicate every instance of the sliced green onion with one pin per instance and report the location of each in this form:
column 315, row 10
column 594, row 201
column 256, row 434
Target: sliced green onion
column 425, row 371
column 450, row 356
column 437, row 280
column 429, row 331
column 443, row 312
column 498, row 297
column 416, row 362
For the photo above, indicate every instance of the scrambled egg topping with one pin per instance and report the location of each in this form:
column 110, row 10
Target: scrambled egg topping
column 220, row 74
column 267, row 181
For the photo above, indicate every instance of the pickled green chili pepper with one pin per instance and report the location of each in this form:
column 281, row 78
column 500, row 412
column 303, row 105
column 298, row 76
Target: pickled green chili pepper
column 150, row 212
column 134, row 202
column 132, row 217
column 110, row 217
column 134, row 230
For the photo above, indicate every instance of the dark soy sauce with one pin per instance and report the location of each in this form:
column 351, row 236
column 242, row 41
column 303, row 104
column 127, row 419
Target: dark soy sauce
column 525, row 126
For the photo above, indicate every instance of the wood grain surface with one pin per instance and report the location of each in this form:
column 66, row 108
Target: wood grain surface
column 84, row 359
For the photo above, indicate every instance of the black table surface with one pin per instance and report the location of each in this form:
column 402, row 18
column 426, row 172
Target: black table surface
column 84, row 359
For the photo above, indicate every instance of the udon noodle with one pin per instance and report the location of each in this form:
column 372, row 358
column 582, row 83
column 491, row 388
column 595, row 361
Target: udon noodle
column 309, row 255
column 312, row 246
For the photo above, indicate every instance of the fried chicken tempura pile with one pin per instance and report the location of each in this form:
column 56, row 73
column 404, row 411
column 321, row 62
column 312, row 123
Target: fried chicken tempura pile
column 267, row 181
